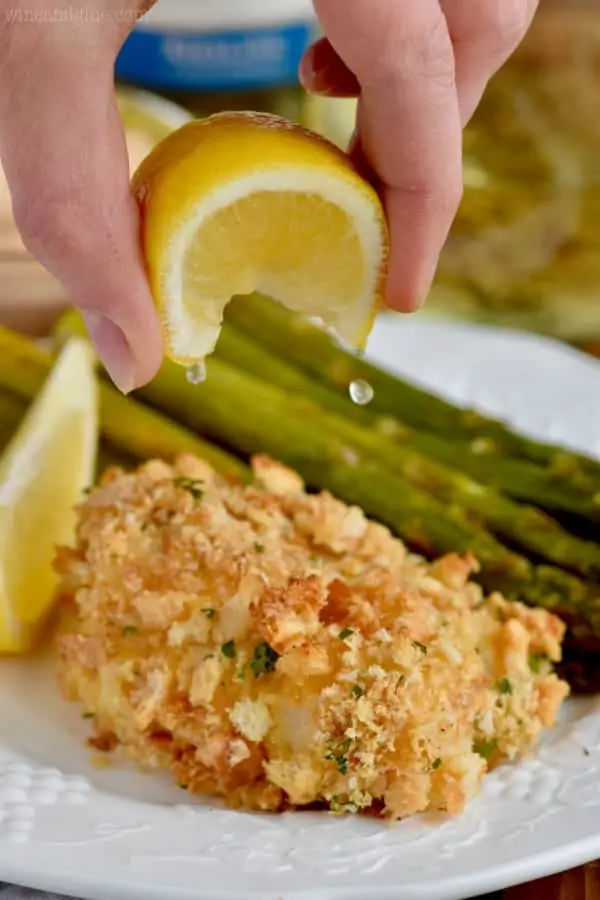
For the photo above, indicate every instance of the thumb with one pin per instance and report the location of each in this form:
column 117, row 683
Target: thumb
column 63, row 149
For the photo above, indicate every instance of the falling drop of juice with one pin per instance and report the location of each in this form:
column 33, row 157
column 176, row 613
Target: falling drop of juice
column 196, row 374
column 361, row 392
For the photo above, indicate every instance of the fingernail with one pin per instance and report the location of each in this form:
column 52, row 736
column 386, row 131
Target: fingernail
column 113, row 349
column 315, row 72
column 322, row 72
column 306, row 72
column 409, row 300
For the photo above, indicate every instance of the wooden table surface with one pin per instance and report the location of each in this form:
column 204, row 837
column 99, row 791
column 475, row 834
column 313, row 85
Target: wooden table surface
column 578, row 884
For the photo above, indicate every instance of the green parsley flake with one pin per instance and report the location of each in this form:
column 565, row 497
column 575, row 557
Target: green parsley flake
column 229, row 650
column 436, row 763
column 339, row 805
column 264, row 660
column 419, row 646
column 337, row 752
column 504, row 686
column 485, row 749
column 87, row 715
column 535, row 662
column 129, row 630
column 358, row 691
column 209, row 612
column 191, row 485
column 346, row 633
column 258, row 547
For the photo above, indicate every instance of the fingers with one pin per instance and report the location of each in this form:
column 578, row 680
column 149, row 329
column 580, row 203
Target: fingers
column 483, row 37
column 484, row 34
column 64, row 154
column 409, row 124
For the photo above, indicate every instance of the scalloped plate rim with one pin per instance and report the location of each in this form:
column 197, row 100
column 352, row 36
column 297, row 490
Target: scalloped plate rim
column 68, row 832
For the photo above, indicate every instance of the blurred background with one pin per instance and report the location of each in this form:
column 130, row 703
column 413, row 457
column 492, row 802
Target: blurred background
column 525, row 249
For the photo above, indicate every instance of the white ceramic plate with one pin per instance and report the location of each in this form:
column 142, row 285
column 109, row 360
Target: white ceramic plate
column 113, row 834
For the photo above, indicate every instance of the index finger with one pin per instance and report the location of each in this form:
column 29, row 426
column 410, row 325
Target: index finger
column 409, row 126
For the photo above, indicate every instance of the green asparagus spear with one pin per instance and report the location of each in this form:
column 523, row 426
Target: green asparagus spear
column 520, row 479
column 316, row 352
column 549, row 488
column 12, row 410
column 132, row 428
column 523, row 526
column 108, row 456
column 144, row 432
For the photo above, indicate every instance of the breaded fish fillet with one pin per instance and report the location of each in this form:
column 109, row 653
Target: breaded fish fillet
column 278, row 649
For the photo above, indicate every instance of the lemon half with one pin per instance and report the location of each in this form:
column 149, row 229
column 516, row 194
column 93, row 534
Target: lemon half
column 244, row 202
column 43, row 473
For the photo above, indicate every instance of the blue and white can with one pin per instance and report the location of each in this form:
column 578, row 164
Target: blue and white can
column 207, row 46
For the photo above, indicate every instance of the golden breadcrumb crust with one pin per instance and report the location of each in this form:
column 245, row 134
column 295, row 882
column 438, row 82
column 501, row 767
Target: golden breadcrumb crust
column 278, row 649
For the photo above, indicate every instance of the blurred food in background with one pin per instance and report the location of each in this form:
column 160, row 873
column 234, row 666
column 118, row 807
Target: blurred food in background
column 525, row 248
column 27, row 291
column 524, row 251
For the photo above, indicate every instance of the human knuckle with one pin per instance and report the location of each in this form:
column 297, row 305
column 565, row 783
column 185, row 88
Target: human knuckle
column 440, row 197
column 505, row 22
column 415, row 50
column 434, row 54
column 448, row 197
column 455, row 191
column 448, row 192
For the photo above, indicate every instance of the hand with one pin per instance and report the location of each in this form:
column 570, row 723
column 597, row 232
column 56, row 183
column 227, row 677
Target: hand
column 63, row 150
column 420, row 72
column 419, row 68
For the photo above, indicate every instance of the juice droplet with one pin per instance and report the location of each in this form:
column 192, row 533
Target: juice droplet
column 361, row 392
column 196, row 374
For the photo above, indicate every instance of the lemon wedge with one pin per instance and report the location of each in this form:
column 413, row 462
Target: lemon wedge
column 243, row 202
column 43, row 473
